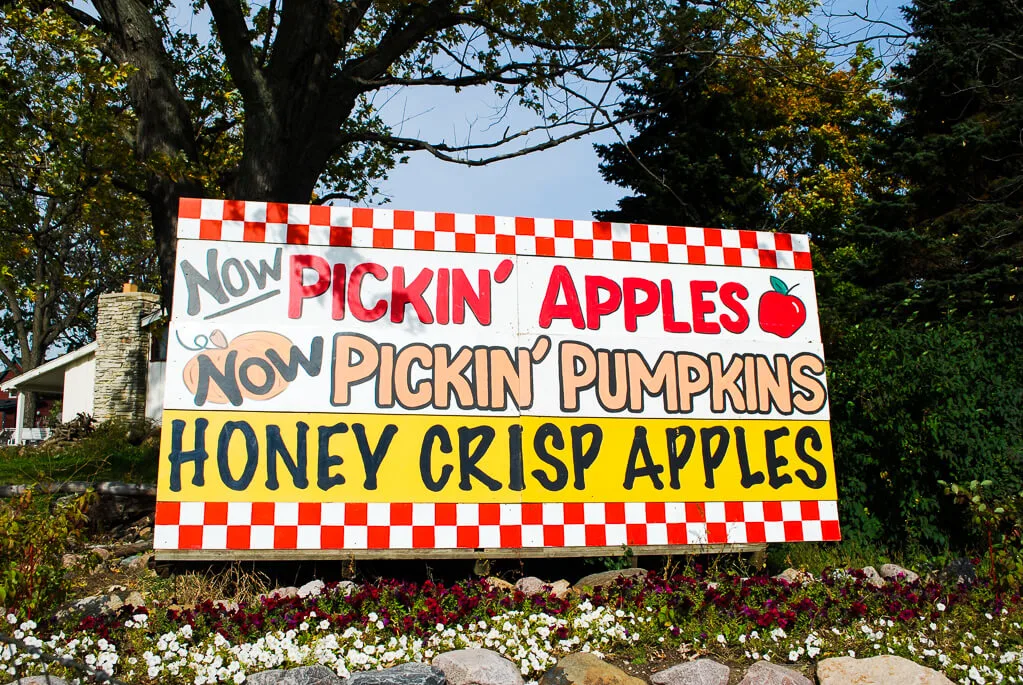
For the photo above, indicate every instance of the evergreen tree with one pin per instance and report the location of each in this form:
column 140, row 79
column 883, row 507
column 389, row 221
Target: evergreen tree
column 749, row 132
column 687, row 163
column 925, row 371
column 946, row 241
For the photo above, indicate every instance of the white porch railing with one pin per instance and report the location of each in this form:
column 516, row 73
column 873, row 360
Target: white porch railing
column 14, row 436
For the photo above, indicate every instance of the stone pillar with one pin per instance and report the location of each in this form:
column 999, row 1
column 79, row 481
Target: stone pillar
column 122, row 355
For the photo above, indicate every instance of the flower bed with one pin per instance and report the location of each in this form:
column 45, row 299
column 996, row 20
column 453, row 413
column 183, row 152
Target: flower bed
column 969, row 633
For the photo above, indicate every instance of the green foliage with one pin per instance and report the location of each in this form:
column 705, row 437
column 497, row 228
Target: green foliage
column 920, row 298
column 115, row 450
column 617, row 562
column 755, row 128
column 35, row 533
column 999, row 520
column 69, row 229
column 913, row 407
column 946, row 239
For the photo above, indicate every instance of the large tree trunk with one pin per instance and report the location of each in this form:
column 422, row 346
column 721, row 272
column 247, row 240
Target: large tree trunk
column 165, row 131
column 163, row 205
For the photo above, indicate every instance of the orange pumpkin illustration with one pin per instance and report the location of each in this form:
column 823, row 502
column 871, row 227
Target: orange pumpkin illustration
column 258, row 379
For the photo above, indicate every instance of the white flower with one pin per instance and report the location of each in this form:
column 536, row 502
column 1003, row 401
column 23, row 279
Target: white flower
column 940, row 606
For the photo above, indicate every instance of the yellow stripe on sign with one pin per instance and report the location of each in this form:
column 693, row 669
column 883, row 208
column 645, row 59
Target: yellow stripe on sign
column 264, row 456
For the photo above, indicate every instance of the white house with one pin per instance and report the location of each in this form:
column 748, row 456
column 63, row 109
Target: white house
column 118, row 375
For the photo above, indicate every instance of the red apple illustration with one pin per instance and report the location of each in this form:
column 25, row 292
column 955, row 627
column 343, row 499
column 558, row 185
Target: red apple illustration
column 780, row 312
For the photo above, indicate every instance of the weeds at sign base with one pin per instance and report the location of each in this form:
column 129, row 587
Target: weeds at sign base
column 1000, row 523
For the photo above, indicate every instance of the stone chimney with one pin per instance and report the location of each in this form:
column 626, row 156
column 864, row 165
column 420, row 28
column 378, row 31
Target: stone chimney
column 122, row 354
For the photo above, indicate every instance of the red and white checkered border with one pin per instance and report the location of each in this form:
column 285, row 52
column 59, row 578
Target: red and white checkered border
column 271, row 222
column 384, row 525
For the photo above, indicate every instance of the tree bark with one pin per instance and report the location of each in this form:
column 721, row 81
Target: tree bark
column 165, row 131
column 163, row 205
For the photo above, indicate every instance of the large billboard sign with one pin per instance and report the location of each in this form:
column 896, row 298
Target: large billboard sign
column 345, row 379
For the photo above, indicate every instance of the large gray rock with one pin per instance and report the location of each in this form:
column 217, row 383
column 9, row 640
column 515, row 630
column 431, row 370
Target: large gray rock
column 699, row 672
column 792, row 575
column 102, row 552
column 595, row 580
column 531, row 585
column 406, row 674
column 477, row 667
column 288, row 592
column 878, row 670
column 311, row 589
column 39, row 680
column 766, row 673
column 72, row 560
column 872, row 576
column 561, row 588
column 582, row 668
column 304, row 675
column 96, row 605
column 137, row 562
column 896, row 572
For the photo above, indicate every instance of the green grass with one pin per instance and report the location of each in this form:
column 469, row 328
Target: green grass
column 114, row 451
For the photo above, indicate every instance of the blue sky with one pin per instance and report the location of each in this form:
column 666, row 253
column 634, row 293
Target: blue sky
column 560, row 183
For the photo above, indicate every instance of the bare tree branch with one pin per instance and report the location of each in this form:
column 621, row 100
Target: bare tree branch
column 448, row 153
column 334, row 196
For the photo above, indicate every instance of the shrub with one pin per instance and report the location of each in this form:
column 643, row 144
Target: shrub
column 999, row 522
column 913, row 407
column 35, row 533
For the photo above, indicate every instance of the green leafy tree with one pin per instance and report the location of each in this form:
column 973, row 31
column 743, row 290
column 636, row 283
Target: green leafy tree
column 69, row 231
column 759, row 130
column 913, row 406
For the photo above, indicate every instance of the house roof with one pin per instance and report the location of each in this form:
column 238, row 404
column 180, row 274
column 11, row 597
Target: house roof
column 150, row 319
column 49, row 376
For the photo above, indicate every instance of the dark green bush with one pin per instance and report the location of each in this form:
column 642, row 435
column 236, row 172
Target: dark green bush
column 912, row 407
